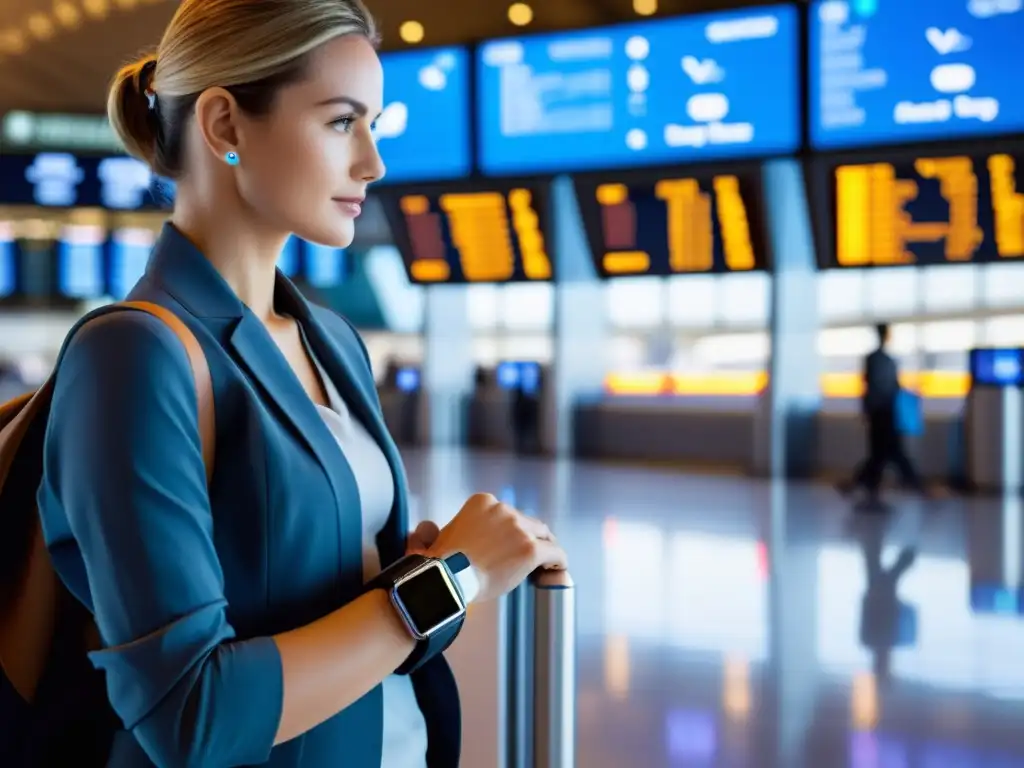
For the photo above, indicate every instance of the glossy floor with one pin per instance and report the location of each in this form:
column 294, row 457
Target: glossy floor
column 731, row 622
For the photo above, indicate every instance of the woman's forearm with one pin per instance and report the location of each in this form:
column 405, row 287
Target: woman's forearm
column 336, row 660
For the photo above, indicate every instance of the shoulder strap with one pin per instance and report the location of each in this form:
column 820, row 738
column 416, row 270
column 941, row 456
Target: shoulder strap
column 29, row 619
column 200, row 373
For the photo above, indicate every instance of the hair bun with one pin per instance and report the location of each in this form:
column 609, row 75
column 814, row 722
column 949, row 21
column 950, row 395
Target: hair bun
column 128, row 109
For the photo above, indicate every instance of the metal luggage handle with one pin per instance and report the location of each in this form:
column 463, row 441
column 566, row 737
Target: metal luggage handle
column 538, row 631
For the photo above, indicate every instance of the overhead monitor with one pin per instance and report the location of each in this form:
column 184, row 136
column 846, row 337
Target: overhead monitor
column 495, row 233
column 423, row 133
column 933, row 210
column 63, row 180
column 81, row 272
column 672, row 223
column 654, row 92
column 897, row 71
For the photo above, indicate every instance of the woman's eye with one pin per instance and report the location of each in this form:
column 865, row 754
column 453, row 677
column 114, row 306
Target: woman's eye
column 344, row 124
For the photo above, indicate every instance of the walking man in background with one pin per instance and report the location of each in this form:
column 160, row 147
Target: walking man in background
column 885, row 443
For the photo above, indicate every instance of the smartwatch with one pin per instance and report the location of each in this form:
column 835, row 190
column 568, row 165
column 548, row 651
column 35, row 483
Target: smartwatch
column 427, row 598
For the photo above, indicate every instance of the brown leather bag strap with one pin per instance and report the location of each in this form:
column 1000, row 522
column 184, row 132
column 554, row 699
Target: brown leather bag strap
column 200, row 372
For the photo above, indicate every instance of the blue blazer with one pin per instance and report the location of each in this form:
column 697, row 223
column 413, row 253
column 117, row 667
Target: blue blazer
column 188, row 584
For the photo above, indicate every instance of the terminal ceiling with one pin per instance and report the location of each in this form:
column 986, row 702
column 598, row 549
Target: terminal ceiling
column 59, row 55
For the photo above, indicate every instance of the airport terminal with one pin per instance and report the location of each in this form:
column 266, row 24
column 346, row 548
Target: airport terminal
column 637, row 268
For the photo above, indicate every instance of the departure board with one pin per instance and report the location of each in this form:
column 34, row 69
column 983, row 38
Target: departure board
column 932, row 210
column 676, row 224
column 63, row 180
column 495, row 234
column 898, row 71
column 658, row 92
column 423, row 91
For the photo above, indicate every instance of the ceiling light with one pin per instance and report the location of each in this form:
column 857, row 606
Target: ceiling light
column 645, row 7
column 411, row 32
column 520, row 14
column 67, row 13
column 96, row 8
column 40, row 26
column 11, row 41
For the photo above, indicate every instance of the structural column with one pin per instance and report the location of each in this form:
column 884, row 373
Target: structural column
column 786, row 432
column 447, row 374
column 579, row 363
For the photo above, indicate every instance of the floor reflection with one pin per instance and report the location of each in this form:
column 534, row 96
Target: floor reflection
column 729, row 622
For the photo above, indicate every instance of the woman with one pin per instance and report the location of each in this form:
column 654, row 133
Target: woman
column 235, row 624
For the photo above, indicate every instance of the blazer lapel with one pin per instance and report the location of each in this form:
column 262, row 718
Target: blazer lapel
column 267, row 365
column 342, row 366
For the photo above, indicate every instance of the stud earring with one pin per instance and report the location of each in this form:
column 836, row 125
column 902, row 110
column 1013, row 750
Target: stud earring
column 231, row 158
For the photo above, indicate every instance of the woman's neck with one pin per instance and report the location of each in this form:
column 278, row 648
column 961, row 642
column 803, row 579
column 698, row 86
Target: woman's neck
column 245, row 256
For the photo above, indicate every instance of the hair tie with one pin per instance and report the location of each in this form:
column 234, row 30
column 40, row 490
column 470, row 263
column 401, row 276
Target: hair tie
column 146, row 82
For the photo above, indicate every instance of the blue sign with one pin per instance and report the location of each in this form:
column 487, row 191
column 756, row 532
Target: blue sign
column 668, row 91
column 80, row 264
column 7, row 259
column 325, row 266
column 423, row 132
column 892, row 71
column 129, row 254
column 63, row 180
column 997, row 367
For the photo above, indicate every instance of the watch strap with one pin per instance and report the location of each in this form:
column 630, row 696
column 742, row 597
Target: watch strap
column 438, row 643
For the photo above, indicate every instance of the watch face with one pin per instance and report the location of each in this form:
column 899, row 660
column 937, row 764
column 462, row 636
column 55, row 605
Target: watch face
column 429, row 599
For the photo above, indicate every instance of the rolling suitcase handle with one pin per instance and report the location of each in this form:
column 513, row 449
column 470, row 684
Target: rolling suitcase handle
column 539, row 635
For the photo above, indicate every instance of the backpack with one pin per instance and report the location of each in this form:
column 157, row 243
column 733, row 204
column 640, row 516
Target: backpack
column 52, row 701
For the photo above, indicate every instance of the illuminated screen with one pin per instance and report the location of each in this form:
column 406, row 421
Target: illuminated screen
column 997, row 367
column 129, row 251
column 324, row 266
column 672, row 225
column 653, row 92
column 80, row 267
column 885, row 71
column 423, row 132
column 933, row 210
column 62, row 180
column 290, row 258
column 494, row 235
column 8, row 277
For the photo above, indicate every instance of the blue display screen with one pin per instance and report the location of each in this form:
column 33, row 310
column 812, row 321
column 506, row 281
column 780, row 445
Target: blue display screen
column 997, row 367
column 62, row 180
column 423, row 132
column 129, row 255
column 408, row 380
column 7, row 257
column 325, row 266
column 288, row 261
column 674, row 90
column 80, row 268
column 890, row 71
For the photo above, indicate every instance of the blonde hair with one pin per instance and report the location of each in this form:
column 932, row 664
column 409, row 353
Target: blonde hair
column 250, row 47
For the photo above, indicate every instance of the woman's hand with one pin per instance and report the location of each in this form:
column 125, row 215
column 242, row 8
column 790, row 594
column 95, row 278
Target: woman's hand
column 504, row 546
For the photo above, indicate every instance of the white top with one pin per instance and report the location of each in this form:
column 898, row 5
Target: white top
column 405, row 730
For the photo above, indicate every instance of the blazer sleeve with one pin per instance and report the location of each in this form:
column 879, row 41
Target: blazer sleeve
column 123, row 461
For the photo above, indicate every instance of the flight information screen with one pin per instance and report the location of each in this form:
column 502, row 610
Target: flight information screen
column 8, row 256
column 81, row 271
column 423, row 132
column 674, row 224
column 932, row 210
column 657, row 92
column 889, row 71
column 496, row 234
column 62, row 180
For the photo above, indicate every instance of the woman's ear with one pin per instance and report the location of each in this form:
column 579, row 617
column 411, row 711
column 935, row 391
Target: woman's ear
column 216, row 115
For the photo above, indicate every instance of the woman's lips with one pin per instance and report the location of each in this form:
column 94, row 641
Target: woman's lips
column 350, row 206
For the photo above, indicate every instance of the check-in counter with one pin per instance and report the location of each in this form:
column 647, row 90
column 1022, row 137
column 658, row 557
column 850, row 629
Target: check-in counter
column 400, row 404
column 703, row 431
